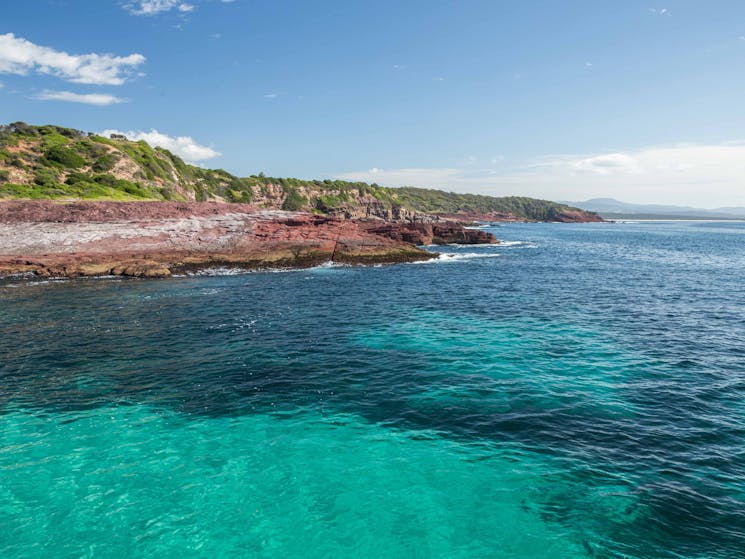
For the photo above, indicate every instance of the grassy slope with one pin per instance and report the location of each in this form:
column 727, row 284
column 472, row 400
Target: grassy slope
column 51, row 162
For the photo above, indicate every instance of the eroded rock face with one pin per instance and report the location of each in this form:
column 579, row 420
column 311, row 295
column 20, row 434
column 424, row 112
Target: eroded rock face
column 155, row 239
column 440, row 233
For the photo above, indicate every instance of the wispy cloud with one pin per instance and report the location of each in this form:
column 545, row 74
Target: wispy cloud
column 153, row 7
column 399, row 67
column 183, row 146
column 100, row 99
column 701, row 175
column 21, row 57
column 659, row 11
column 271, row 95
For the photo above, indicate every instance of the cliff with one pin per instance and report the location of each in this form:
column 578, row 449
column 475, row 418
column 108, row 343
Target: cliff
column 52, row 162
column 161, row 238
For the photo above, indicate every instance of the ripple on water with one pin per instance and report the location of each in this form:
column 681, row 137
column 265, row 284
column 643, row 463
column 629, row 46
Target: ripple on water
column 125, row 481
column 582, row 399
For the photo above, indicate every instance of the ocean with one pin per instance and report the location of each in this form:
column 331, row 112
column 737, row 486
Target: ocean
column 576, row 392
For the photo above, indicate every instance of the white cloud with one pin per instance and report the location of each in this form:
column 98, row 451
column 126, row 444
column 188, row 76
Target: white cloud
column 606, row 164
column 19, row 56
column 660, row 11
column 100, row 99
column 153, row 7
column 183, row 146
column 684, row 174
column 271, row 95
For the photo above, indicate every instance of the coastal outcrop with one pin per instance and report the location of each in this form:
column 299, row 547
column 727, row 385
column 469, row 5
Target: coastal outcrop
column 81, row 204
column 432, row 233
column 157, row 239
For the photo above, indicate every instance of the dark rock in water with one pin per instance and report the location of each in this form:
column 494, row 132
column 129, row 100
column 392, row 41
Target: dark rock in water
column 441, row 233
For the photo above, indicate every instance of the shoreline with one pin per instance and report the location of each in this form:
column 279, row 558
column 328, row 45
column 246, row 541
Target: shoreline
column 84, row 239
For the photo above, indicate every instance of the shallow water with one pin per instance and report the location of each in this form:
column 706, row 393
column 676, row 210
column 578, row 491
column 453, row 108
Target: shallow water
column 576, row 392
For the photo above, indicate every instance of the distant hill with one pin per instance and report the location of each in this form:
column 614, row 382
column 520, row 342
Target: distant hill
column 52, row 162
column 610, row 208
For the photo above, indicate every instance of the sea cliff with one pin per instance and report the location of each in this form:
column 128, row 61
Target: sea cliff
column 157, row 239
column 57, row 163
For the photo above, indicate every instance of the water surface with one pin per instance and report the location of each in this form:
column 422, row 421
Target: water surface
column 576, row 392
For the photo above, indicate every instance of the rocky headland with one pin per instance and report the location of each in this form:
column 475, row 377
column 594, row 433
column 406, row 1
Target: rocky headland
column 79, row 204
column 157, row 239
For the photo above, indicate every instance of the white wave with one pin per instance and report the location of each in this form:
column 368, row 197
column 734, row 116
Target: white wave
column 457, row 257
column 33, row 281
column 328, row 266
column 438, row 248
column 218, row 271
column 518, row 244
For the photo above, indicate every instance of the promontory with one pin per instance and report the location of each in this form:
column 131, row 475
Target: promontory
column 80, row 204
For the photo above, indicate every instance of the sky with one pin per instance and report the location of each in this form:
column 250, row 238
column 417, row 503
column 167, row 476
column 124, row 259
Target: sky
column 570, row 100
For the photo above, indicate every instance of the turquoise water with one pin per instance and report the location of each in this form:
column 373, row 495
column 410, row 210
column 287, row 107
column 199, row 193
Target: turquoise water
column 576, row 392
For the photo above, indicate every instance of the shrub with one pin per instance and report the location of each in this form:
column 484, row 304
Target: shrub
column 45, row 177
column 105, row 162
column 199, row 194
column 16, row 161
column 65, row 157
column 294, row 201
column 23, row 129
column 91, row 149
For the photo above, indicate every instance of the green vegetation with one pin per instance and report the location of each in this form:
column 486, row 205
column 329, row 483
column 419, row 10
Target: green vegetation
column 294, row 201
column 56, row 162
column 427, row 200
column 64, row 157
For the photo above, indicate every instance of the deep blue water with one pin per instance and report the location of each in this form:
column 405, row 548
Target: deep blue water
column 576, row 392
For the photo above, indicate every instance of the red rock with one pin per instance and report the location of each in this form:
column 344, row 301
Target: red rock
column 438, row 233
column 154, row 239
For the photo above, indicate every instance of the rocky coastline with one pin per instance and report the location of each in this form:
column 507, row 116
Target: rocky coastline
column 158, row 239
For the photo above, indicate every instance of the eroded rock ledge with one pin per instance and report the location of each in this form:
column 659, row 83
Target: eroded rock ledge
column 434, row 233
column 157, row 239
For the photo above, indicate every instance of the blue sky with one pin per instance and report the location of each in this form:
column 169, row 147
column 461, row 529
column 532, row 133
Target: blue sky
column 642, row 101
